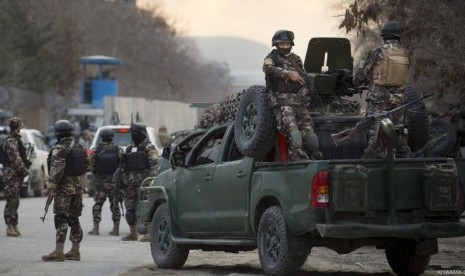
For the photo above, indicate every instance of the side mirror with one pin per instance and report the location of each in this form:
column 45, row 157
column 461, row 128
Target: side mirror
column 178, row 159
column 166, row 153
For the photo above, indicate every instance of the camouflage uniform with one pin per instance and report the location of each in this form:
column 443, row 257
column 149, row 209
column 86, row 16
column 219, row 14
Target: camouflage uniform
column 132, row 179
column 104, row 185
column 292, row 116
column 68, row 192
column 14, row 174
column 381, row 98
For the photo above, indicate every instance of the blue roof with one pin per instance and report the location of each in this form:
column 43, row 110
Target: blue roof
column 98, row 59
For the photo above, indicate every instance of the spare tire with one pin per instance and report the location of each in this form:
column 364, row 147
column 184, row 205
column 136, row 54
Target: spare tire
column 255, row 123
column 445, row 147
column 418, row 121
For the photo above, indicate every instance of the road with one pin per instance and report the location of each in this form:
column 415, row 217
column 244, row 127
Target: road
column 108, row 255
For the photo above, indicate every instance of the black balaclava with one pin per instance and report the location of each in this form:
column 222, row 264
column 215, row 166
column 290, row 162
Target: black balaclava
column 137, row 137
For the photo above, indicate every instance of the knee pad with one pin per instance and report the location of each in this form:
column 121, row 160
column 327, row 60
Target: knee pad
column 311, row 141
column 60, row 220
column 97, row 208
column 296, row 138
column 131, row 217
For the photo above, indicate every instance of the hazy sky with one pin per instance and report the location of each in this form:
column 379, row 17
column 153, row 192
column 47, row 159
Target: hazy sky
column 252, row 19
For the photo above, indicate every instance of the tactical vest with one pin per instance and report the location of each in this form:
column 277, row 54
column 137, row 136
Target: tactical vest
column 76, row 161
column 277, row 84
column 135, row 161
column 107, row 160
column 393, row 70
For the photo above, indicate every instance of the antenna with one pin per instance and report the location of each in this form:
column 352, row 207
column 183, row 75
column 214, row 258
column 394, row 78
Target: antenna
column 325, row 68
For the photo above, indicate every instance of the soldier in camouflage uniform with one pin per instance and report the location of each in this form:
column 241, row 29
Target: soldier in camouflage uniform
column 385, row 70
column 140, row 161
column 67, row 162
column 284, row 84
column 16, row 168
column 105, row 160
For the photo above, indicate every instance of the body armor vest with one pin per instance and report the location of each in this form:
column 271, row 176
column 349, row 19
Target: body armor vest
column 107, row 160
column 135, row 161
column 76, row 161
column 393, row 70
column 278, row 84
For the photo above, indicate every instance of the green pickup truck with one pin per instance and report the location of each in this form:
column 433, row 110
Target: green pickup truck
column 234, row 190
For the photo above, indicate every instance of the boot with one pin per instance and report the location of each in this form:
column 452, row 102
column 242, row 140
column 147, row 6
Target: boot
column 115, row 231
column 55, row 256
column 10, row 231
column 95, row 231
column 132, row 236
column 73, row 254
column 17, row 230
column 147, row 236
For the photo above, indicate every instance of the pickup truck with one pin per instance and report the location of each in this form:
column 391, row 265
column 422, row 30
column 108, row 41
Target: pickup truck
column 215, row 198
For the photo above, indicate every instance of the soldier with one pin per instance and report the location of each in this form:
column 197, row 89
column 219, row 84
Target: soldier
column 385, row 70
column 284, row 82
column 105, row 160
column 140, row 161
column 16, row 168
column 67, row 163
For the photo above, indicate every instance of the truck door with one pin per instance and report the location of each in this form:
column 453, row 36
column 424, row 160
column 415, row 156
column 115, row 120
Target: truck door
column 231, row 178
column 194, row 186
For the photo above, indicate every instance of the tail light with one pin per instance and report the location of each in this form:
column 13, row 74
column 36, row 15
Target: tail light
column 319, row 197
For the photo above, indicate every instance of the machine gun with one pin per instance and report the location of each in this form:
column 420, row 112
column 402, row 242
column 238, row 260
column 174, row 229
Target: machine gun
column 368, row 121
column 47, row 204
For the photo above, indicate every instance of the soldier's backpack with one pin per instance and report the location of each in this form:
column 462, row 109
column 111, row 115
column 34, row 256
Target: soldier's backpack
column 4, row 160
column 76, row 161
column 107, row 160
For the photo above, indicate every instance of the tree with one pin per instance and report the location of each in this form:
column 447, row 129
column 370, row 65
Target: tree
column 432, row 32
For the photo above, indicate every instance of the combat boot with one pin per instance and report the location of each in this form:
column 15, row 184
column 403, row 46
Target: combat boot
column 132, row 236
column 57, row 255
column 95, row 231
column 115, row 231
column 10, row 231
column 73, row 254
column 17, row 230
column 147, row 236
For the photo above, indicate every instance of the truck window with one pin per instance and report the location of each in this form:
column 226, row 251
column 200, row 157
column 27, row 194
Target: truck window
column 209, row 150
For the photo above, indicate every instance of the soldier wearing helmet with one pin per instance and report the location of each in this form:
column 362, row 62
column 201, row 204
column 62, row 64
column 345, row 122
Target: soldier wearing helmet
column 385, row 70
column 67, row 162
column 105, row 160
column 284, row 83
column 140, row 161
column 16, row 168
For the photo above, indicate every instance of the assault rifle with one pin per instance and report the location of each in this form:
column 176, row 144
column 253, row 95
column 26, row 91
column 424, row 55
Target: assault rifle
column 370, row 120
column 47, row 204
column 118, row 192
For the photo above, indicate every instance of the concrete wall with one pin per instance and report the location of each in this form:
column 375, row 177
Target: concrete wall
column 174, row 115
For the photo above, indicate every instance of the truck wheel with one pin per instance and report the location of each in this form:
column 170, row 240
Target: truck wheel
column 438, row 128
column 403, row 259
column 24, row 191
column 165, row 253
column 37, row 187
column 418, row 122
column 273, row 242
column 255, row 124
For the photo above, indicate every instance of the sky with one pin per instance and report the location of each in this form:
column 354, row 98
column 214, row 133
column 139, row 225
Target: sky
column 256, row 20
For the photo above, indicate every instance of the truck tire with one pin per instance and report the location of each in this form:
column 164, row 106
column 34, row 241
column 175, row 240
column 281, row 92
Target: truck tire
column 417, row 121
column 273, row 240
column 24, row 192
column 255, row 125
column 438, row 128
column 165, row 253
column 403, row 259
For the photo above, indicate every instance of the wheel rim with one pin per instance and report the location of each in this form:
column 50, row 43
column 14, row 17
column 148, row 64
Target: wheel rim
column 272, row 243
column 249, row 120
column 163, row 236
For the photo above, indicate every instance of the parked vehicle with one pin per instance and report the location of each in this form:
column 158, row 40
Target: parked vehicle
column 38, row 172
column 122, row 138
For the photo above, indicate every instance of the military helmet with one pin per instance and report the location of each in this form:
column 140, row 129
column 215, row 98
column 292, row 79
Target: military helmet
column 107, row 134
column 392, row 28
column 137, row 128
column 63, row 127
column 282, row 36
column 15, row 122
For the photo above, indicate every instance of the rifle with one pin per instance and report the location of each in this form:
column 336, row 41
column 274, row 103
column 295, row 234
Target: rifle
column 368, row 121
column 47, row 204
column 118, row 193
